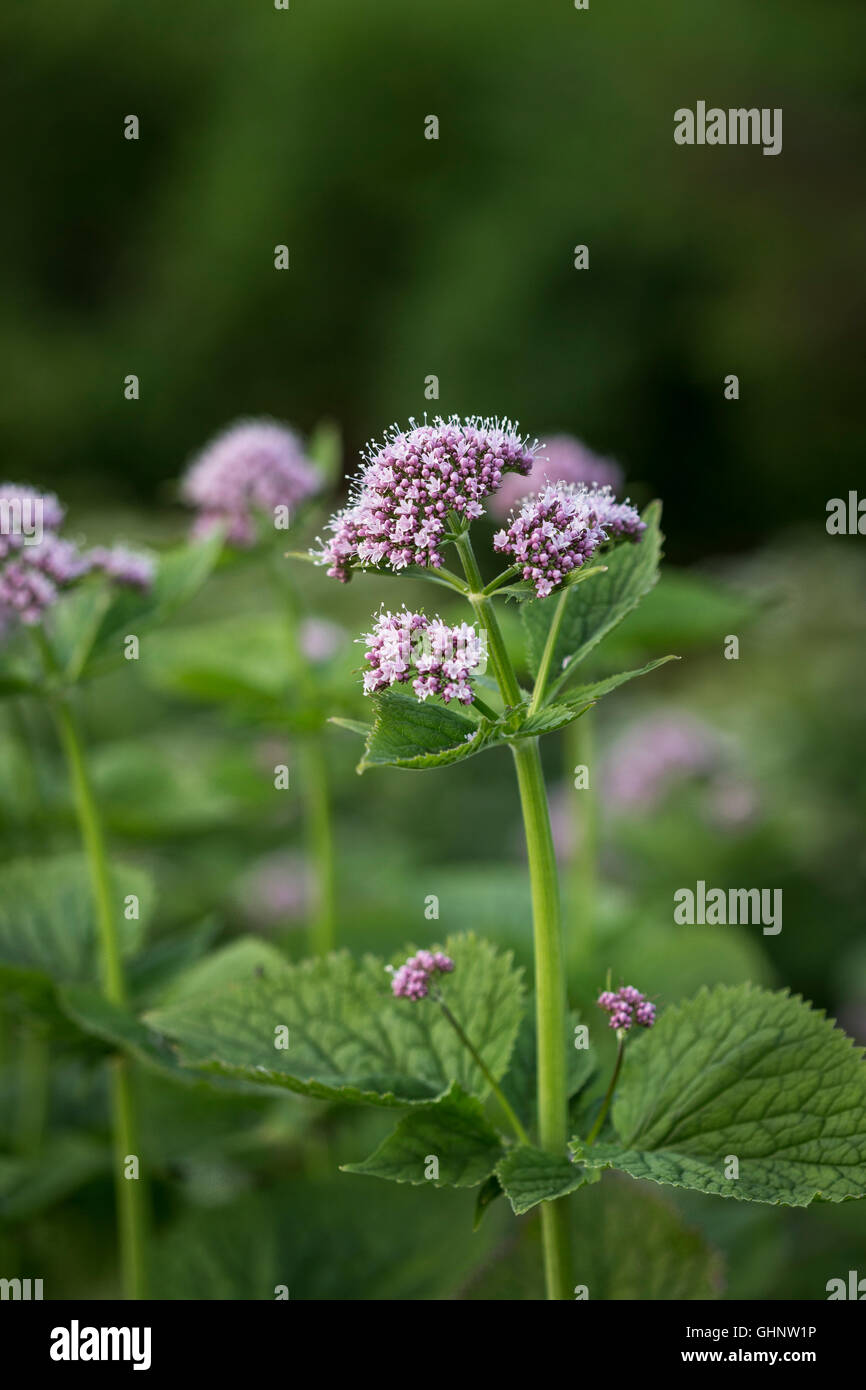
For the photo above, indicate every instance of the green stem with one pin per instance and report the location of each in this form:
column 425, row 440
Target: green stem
column 608, row 1097
column 484, row 611
column 547, row 654
column 130, row 1191
column 316, row 798
column 547, row 935
column 320, row 841
column 482, row 1066
column 501, row 579
column 550, row 1003
column 113, row 982
column 579, row 744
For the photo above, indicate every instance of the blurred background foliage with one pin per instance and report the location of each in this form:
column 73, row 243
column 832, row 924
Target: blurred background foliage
column 409, row 258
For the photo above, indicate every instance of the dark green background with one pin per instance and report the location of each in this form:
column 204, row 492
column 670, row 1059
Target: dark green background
column 410, row 257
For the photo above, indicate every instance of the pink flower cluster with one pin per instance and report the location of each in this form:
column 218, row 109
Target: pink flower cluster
column 36, row 563
column 412, row 980
column 563, row 459
column 561, row 527
column 250, row 469
column 627, row 1006
column 436, row 658
column 401, row 498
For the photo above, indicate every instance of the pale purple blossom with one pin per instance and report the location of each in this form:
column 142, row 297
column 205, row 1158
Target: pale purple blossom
column 432, row 656
column 36, row 568
column 559, row 528
column 277, row 888
column 400, row 499
column 124, row 566
column 320, row 640
column 248, row 471
column 562, row 459
column 627, row 1006
column 412, row 980
column 656, row 753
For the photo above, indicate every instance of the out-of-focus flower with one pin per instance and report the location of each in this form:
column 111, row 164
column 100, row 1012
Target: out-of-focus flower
column 36, row 563
column 247, row 471
column 123, row 565
column 558, row 529
column 412, row 980
column 320, row 639
column 562, row 459
column 436, row 658
column 654, row 754
column 277, row 888
column 733, row 801
column 406, row 486
column 627, row 1006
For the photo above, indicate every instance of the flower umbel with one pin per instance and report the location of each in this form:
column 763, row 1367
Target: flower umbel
column 627, row 1006
column 407, row 485
column 248, row 470
column 559, row 528
column 435, row 658
column 34, row 569
column 412, row 980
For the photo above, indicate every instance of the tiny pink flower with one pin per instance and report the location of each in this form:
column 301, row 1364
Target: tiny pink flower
column 626, row 1007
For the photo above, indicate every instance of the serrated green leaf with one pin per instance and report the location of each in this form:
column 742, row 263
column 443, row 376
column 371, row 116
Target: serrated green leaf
column 48, row 922
column 245, row 958
column 410, row 734
column 742, row 1072
column 349, row 1037
column 529, row 1176
column 580, row 693
column 595, row 610
column 577, row 701
column 453, row 1130
column 355, row 726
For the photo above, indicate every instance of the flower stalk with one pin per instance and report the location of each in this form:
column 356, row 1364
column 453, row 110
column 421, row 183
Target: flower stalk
column 131, row 1204
column 547, row 938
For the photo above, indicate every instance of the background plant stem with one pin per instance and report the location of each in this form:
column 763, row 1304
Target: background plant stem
column 131, row 1211
column 320, row 842
column 583, row 873
column 315, row 789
